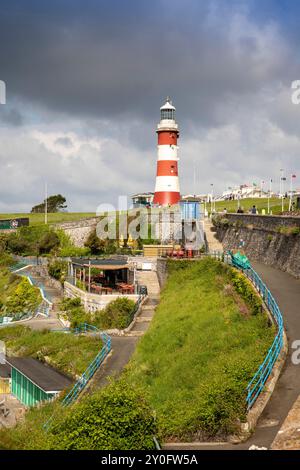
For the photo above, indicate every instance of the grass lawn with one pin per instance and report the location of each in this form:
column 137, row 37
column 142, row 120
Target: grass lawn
column 57, row 217
column 199, row 353
column 246, row 204
column 69, row 353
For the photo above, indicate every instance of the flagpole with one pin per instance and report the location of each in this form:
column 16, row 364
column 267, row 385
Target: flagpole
column 46, row 204
column 291, row 193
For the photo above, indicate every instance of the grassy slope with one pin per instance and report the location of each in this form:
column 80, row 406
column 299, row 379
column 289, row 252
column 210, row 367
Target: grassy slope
column 199, row 353
column 68, row 353
column 246, row 204
column 36, row 219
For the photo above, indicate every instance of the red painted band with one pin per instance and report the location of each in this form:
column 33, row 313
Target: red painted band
column 167, row 168
column 167, row 138
column 166, row 198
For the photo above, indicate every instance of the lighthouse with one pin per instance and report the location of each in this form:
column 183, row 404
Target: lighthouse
column 167, row 190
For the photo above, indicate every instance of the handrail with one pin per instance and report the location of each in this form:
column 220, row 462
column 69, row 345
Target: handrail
column 92, row 367
column 256, row 385
column 90, row 370
column 46, row 305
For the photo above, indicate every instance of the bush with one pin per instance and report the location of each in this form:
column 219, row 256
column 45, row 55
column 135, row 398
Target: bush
column 116, row 418
column 58, row 270
column 32, row 241
column 117, row 314
column 67, row 248
column 48, row 243
column 25, row 298
column 244, row 287
column 75, row 312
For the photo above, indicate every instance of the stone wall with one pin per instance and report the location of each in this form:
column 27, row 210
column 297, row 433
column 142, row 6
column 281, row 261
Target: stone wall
column 79, row 231
column 161, row 271
column 93, row 302
column 272, row 240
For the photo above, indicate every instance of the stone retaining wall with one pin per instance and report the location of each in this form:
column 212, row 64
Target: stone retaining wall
column 79, row 231
column 266, row 238
column 161, row 270
column 93, row 302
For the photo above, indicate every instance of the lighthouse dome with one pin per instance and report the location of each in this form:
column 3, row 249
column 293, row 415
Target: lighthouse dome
column 167, row 111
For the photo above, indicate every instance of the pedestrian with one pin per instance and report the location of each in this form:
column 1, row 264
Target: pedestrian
column 253, row 210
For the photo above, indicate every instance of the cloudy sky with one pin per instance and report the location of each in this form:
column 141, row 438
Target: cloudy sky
column 85, row 80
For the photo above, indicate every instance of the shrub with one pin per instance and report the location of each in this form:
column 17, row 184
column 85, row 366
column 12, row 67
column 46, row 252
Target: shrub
column 66, row 247
column 118, row 314
column 75, row 312
column 116, row 418
column 58, row 270
column 244, row 287
column 24, row 299
column 48, row 243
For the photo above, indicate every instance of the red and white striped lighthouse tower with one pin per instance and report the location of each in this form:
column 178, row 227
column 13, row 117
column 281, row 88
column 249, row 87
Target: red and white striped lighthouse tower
column 167, row 182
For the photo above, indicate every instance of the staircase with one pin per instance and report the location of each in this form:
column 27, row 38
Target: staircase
column 143, row 320
column 212, row 241
column 149, row 279
column 51, row 293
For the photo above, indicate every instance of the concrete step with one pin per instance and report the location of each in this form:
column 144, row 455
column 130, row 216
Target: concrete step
column 143, row 319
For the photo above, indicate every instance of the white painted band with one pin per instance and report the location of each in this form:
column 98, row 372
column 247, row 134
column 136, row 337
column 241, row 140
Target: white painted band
column 167, row 183
column 167, row 152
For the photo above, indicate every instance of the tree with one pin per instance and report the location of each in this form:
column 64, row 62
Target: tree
column 95, row 244
column 55, row 203
column 48, row 242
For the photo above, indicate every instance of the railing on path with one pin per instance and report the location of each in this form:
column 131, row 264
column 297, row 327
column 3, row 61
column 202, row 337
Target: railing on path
column 256, row 385
column 93, row 366
column 73, row 394
column 46, row 305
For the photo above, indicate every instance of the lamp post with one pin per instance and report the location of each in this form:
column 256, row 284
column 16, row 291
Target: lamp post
column 269, row 195
column 212, row 198
column 46, row 204
column 291, row 192
column 282, row 179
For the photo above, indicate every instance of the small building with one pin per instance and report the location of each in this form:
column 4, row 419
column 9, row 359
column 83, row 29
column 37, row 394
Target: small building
column 142, row 199
column 33, row 382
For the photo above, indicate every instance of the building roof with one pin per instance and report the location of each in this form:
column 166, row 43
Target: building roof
column 42, row 375
column 104, row 264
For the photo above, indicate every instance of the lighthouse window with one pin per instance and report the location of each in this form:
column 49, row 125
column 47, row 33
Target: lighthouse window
column 167, row 114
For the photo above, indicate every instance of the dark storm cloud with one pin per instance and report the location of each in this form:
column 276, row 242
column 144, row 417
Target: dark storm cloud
column 112, row 58
column 11, row 116
column 85, row 80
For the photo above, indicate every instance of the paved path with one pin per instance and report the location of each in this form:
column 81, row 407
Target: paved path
column 124, row 346
column 286, row 290
column 213, row 243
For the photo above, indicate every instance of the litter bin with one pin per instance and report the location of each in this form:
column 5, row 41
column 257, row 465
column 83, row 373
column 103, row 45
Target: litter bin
column 142, row 290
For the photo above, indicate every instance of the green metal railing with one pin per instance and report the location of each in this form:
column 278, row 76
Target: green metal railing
column 257, row 384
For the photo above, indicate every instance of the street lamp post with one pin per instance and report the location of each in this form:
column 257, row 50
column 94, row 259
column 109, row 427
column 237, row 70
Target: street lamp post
column 269, row 195
column 212, row 198
column 281, row 190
